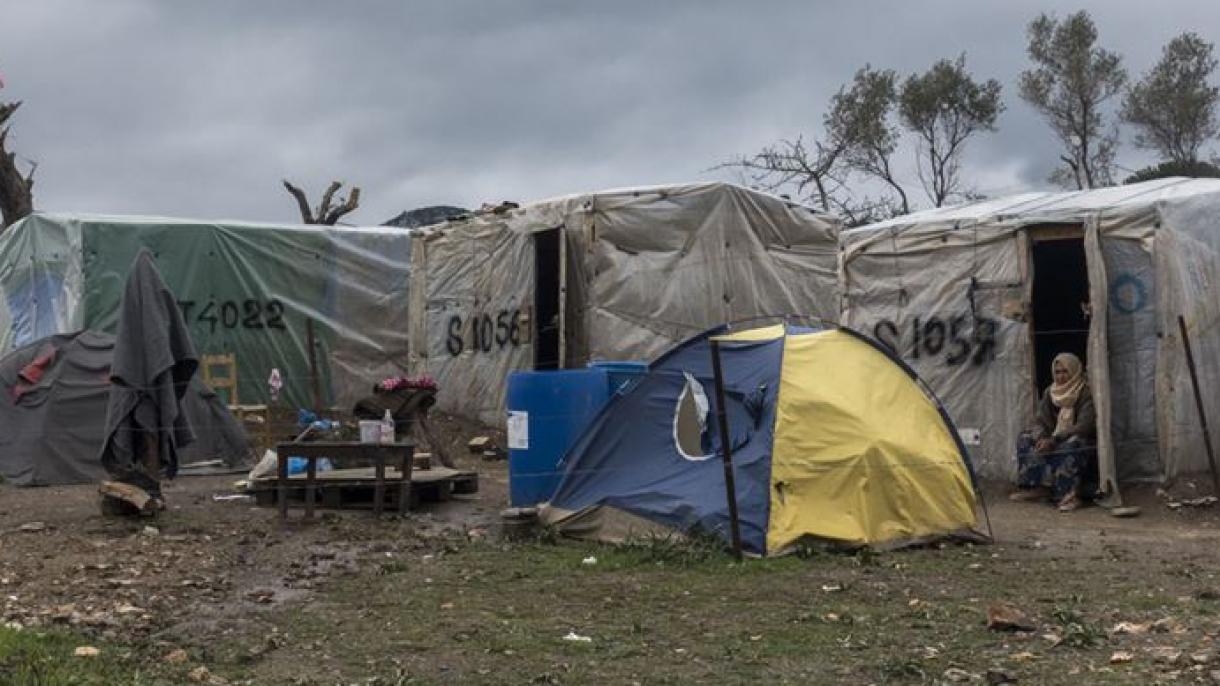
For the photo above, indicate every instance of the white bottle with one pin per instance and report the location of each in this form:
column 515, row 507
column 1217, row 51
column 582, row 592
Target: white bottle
column 387, row 428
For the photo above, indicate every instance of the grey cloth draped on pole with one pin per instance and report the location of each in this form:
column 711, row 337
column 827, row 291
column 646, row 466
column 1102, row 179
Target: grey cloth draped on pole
column 154, row 360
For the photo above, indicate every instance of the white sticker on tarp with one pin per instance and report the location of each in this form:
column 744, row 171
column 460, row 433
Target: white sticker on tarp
column 970, row 436
column 518, row 430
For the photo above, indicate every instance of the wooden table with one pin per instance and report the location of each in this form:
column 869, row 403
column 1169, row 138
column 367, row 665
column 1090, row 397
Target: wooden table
column 346, row 451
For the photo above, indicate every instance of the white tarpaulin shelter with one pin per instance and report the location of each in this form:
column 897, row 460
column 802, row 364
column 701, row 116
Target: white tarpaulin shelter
column 978, row 298
column 621, row 274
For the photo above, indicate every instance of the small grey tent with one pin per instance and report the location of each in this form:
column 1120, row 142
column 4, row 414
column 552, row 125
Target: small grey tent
column 53, row 395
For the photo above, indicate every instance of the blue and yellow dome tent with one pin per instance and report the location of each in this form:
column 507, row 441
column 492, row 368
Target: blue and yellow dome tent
column 831, row 437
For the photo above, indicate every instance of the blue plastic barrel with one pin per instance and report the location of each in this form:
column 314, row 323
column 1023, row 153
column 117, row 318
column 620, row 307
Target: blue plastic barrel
column 547, row 412
column 622, row 375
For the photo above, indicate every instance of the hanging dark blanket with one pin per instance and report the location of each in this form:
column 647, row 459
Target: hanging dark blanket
column 154, row 360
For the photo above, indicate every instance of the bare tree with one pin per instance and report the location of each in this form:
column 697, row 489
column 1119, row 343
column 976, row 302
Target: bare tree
column 790, row 163
column 944, row 107
column 16, row 189
column 1174, row 106
column 1072, row 78
column 326, row 213
column 860, row 117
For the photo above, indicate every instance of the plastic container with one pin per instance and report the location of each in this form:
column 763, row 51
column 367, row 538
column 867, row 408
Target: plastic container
column 547, row 412
column 622, row 375
column 388, row 433
column 370, row 431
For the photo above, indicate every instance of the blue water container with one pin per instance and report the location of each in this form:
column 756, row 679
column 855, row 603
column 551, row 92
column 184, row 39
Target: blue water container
column 623, row 376
column 547, row 412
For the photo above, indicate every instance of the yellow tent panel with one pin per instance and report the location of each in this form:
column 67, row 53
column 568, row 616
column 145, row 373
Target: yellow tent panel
column 861, row 454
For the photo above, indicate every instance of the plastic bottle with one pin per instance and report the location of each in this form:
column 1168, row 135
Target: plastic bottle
column 387, row 428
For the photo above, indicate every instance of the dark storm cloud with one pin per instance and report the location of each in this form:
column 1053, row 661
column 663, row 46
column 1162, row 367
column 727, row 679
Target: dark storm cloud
column 198, row 109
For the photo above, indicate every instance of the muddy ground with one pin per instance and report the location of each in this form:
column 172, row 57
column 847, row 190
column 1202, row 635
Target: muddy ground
column 439, row 597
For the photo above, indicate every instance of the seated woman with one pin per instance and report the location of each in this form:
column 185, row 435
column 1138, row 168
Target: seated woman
column 1061, row 448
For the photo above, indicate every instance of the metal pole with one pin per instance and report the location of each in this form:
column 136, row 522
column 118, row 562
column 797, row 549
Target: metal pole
column 722, row 418
column 1194, row 383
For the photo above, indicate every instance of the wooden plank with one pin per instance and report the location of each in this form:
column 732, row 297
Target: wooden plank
column 282, row 483
column 1056, row 232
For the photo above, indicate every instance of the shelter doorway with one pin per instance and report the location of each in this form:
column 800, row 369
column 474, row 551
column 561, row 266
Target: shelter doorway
column 1060, row 298
column 548, row 298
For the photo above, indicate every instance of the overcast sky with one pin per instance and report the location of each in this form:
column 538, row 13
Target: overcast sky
column 198, row 109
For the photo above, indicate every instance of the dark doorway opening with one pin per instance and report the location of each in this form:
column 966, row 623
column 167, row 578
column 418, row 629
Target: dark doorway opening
column 1060, row 301
column 547, row 288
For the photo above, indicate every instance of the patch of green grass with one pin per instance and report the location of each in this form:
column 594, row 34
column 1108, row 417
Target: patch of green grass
column 1078, row 632
column 684, row 611
column 30, row 658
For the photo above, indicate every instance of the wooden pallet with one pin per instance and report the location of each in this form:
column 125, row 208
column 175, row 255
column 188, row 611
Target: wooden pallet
column 344, row 489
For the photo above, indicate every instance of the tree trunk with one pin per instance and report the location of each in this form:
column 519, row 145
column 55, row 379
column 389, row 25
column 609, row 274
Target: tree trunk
column 326, row 213
column 16, row 196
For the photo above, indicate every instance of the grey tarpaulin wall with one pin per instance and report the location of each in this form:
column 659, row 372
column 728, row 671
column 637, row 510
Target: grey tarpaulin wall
column 969, row 267
column 53, row 432
column 642, row 269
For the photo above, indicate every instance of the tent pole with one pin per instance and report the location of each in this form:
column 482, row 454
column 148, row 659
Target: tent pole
column 722, row 418
column 1194, row 383
column 314, row 385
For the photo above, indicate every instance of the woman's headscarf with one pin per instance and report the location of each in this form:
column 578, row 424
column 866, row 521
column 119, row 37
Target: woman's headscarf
column 1064, row 395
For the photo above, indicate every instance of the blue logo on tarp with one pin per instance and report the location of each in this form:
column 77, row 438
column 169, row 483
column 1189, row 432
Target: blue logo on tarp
column 1128, row 294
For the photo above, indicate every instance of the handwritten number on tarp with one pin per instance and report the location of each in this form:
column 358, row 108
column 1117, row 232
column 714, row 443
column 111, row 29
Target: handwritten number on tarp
column 932, row 336
column 485, row 332
column 229, row 314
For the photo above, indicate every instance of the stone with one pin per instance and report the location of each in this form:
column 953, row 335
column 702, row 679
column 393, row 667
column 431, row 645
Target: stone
column 176, row 657
column 1008, row 617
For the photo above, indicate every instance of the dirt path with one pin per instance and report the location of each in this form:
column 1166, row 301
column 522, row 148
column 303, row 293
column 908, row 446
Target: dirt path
column 259, row 599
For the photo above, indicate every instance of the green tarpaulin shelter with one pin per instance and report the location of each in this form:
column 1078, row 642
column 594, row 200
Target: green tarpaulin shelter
column 244, row 288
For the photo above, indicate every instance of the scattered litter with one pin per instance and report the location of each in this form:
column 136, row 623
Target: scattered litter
column 1007, row 617
column 1129, row 629
column 1205, row 501
column 446, row 606
column 1168, row 625
column 200, row 674
column 1052, row 638
column 577, row 638
column 1120, row 657
column 756, row 637
column 974, row 566
column 478, row 444
column 958, row 675
column 32, row 527
column 589, row 561
column 223, row 497
column 86, row 651
column 1167, row 655
column 832, row 588
column 1129, row 511
column 151, row 531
